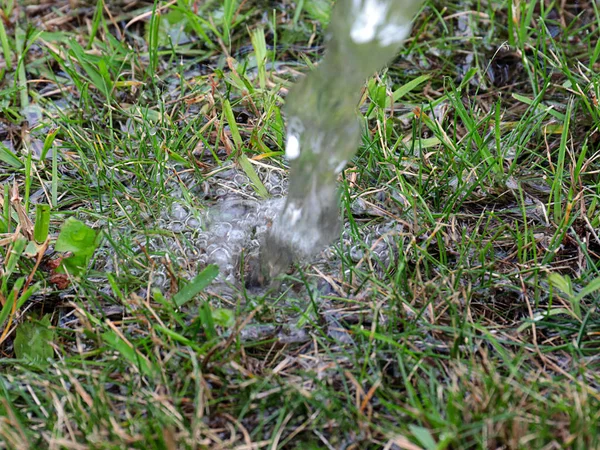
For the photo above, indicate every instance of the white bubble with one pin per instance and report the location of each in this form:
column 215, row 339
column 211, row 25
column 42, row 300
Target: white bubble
column 292, row 148
column 368, row 19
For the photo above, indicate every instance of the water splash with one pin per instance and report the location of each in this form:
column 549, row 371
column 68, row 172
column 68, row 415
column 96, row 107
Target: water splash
column 323, row 127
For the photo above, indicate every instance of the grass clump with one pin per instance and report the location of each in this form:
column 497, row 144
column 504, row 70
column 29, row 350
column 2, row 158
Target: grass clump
column 458, row 310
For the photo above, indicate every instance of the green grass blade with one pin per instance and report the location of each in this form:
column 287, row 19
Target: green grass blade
column 9, row 157
column 197, row 285
column 229, row 8
column 410, row 86
column 102, row 83
column 42, row 222
column 129, row 353
column 260, row 53
column 558, row 180
column 5, row 46
column 235, row 132
column 257, row 184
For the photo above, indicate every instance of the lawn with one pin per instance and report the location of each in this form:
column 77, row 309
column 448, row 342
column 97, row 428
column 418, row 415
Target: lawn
column 141, row 161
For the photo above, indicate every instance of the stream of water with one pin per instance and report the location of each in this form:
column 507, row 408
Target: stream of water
column 323, row 127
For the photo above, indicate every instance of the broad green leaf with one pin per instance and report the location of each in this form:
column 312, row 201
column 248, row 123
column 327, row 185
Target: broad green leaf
column 33, row 340
column 194, row 287
column 79, row 239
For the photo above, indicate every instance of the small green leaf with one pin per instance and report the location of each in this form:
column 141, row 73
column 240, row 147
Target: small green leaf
column 194, row 287
column 115, row 287
column 33, row 340
column 424, row 143
column 206, row 319
column 562, row 283
column 319, row 10
column 144, row 114
column 171, row 29
column 378, row 95
column 182, row 339
column 8, row 306
column 593, row 286
column 424, row 437
column 99, row 79
column 223, row 317
column 42, row 223
column 10, row 299
column 14, row 256
column 158, row 296
column 50, row 137
column 9, row 157
column 79, row 239
column 31, row 250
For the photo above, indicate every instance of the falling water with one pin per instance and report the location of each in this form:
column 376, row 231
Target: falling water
column 323, row 127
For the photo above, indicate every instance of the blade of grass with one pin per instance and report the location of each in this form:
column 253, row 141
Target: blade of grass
column 5, row 46
column 42, row 223
column 9, row 157
column 235, row 132
column 260, row 53
column 229, row 8
column 129, row 353
column 258, row 186
column 197, row 285
column 20, row 37
column 558, row 180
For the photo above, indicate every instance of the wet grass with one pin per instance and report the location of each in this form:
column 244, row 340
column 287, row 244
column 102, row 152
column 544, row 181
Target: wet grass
column 459, row 309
